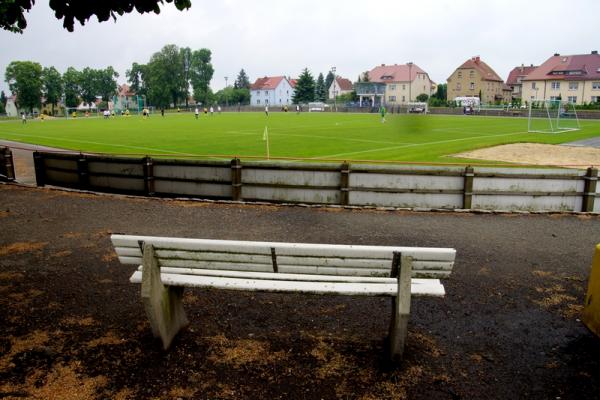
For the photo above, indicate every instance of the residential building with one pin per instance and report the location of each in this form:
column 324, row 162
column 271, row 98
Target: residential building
column 574, row 78
column 395, row 84
column 515, row 79
column 11, row 106
column 274, row 90
column 126, row 99
column 340, row 86
column 474, row 78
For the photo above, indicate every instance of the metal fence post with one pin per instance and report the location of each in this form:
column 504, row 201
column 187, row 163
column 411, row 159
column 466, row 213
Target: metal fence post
column 9, row 164
column 40, row 172
column 236, row 179
column 589, row 189
column 82, row 172
column 345, row 184
column 148, row 167
column 468, row 188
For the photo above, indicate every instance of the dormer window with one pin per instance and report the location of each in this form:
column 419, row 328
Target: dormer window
column 387, row 77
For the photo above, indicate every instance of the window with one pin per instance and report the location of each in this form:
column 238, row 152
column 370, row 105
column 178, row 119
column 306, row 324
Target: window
column 392, row 99
column 555, row 85
column 392, row 87
column 403, row 87
column 258, row 101
column 595, row 85
column 554, row 98
column 458, row 86
column 573, row 85
column 403, row 99
column 472, row 86
column 533, row 85
column 459, row 74
column 572, row 99
column 472, row 74
column 595, row 99
column 266, row 93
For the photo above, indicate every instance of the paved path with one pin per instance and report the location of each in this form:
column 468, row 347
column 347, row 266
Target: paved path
column 593, row 142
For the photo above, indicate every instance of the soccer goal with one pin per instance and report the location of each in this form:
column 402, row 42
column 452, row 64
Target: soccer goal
column 74, row 112
column 552, row 116
column 417, row 108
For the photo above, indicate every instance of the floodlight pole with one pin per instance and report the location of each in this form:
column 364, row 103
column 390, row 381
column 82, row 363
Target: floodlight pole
column 333, row 69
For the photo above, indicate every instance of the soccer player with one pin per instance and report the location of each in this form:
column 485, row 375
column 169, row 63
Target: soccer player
column 205, row 110
column 382, row 111
column 219, row 109
column 212, row 110
column 23, row 118
column 267, row 111
column 196, row 112
column 297, row 108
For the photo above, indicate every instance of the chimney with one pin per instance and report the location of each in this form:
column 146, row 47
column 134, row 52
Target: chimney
column 556, row 54
column 383, row 65
column 594, row 51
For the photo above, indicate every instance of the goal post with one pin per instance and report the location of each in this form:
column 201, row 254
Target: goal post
column 552, row 116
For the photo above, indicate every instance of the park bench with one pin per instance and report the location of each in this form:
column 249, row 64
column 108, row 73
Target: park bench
column 167, row 265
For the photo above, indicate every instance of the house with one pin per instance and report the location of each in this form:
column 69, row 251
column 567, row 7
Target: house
column 340, row 86
column 515, row 79
column 126, row 99
column 574, row 78
column 395, row 84
column 474, row 78
column 11, row 106
column 274, row 90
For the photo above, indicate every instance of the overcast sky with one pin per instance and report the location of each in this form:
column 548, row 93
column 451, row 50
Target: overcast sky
column 268, row 37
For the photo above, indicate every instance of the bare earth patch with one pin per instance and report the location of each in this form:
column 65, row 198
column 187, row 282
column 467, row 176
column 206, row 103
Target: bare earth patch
column 21, row 247
column 538, row 154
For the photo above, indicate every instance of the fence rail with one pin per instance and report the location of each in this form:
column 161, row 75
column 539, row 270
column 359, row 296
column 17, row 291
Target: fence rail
column 345, row 184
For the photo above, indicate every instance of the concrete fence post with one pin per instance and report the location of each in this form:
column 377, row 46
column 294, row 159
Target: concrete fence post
column 345, row 184
column 468, row 187
column 82, row 172
column 589, row 189
column 9, row 164
column 236, row 179
column 40, row 171
column 148, row 167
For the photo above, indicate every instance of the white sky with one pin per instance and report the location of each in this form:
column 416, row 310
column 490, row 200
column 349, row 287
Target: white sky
column 281, row 37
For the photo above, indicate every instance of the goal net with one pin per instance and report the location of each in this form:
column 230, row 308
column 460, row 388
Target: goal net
column 552, row 116
column 417, row 108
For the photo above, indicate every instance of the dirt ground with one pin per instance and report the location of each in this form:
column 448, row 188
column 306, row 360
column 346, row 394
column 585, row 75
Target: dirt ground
column 73, row 327
column 538, row 154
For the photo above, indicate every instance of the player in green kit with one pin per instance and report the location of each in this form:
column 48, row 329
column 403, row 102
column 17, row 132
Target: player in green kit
column 382, row 111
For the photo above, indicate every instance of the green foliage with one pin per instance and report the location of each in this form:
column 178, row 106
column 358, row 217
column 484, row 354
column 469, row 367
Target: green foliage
column 25, row 80
column 423, row 97
column 232, row 96
column 201, row 74
column 2, row 109
column 3, row 99
column 72, row 87
column 329, row 80
column 320, row 92
column 347, row 97
column 185, row 54
column 136, row 78
column 163, row 76
column 365, row 77
column 305, row 88
column 442, row 90
column 53, row 86
column 88, row 85
column 12, row 16
column 242, row 81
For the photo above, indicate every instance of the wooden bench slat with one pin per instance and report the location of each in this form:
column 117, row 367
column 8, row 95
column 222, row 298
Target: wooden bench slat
column 429, row 287
column 297, row 249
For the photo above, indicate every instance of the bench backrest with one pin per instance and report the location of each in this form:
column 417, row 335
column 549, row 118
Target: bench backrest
column 290, row 258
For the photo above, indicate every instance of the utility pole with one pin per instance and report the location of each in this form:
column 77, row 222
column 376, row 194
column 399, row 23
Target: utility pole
column 334, row 87
column 226, row 99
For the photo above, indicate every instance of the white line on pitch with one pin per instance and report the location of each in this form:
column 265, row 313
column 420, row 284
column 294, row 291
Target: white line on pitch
column 414, row 145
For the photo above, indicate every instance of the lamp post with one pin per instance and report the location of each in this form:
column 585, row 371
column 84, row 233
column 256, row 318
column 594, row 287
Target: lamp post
column 333, row 69
column 409, row 81
column 226, row 99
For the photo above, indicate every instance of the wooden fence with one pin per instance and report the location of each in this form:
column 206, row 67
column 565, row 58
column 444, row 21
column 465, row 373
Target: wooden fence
column 328, row 183
column 7, row 166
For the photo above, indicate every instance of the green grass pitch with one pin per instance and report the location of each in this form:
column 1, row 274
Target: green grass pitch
column 315, row 136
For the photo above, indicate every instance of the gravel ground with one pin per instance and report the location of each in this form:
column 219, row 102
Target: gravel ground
column 74, row 327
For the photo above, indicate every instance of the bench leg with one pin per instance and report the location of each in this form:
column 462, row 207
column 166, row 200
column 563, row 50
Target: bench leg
column 400, row 311
column 163, row 304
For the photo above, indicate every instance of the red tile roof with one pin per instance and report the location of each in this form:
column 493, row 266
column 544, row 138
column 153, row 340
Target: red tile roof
column 267, row 83
column 343, row 83
column 125, row 90
column 577, row 67
column 486, row 72
column 394, row 73
column 519, row 72
column 293, row 82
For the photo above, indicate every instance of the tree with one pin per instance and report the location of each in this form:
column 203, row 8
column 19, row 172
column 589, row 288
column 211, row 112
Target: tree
column 201, row 74
column 3, row 99
column 423, row 97
column 106, row 84
column 163, row 76
column 231, row 95
column 88, row 84
column 305, row 88
column 441, row 91
column 320, row 92
column 329, row 80
column 25, row 80
column 242, row 81
column 12, row 11
column 365, row 77
column 185, row 54
column 136, row 78
column 52, row 86
column 72, row 87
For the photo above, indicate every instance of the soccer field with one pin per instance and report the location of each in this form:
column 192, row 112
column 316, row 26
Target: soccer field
column 315, row 136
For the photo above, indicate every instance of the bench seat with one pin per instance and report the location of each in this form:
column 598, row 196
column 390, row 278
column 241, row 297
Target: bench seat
column 165, row 266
